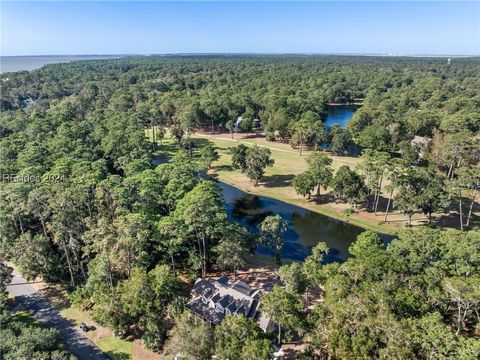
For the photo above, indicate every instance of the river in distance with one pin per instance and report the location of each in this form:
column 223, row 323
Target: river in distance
column 28, row 63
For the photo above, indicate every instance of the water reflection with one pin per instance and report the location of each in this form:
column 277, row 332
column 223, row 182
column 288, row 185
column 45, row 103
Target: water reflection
column 305, row 228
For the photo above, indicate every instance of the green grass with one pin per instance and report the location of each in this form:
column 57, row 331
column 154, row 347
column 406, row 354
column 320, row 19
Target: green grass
column 76, row 316
column 277, row 180
column 115, row 348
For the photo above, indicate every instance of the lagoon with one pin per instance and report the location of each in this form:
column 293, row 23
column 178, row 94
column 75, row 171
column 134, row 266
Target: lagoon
column 305, row 228
column 339, row 115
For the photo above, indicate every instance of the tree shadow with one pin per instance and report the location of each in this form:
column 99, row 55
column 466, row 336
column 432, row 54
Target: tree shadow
column 162, row 159
column 200, row 142
column 117, row 356
column 451, row 215
column 324, row 198
column 223, row 168
column 254, row 135
column 277, row 180
column 56, row 296
column 448, row 217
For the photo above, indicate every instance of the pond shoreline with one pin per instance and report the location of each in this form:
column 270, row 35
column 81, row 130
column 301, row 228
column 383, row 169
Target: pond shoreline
column 328, row 211
column 356, row 104
column 325, row 212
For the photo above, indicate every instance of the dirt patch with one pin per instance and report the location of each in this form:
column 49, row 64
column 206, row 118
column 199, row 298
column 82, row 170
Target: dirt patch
column 140, row 353
column 102, row 332
column 56, row 295
column 290, row 350
column 257, row 275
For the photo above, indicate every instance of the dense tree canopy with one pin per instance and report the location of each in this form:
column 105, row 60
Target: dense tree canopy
column 84, row 202
column 416, row 299
column 401, row 97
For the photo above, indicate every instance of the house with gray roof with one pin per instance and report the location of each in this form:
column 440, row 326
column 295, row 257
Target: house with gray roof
column 212, row 300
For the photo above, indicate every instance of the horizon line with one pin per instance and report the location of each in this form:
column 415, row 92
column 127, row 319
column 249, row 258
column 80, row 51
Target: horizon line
column 387, row 54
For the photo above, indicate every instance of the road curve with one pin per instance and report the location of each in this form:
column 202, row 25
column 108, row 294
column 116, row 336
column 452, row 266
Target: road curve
column 73, row 338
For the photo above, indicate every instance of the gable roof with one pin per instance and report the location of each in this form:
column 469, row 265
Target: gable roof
column 223, row 280
column 242, row 287
column 236, row 299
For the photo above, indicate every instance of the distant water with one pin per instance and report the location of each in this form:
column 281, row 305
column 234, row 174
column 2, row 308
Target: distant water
column 339, row 115
column 19, row 63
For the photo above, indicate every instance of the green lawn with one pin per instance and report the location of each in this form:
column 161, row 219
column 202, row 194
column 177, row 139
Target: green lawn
column 277, row 180
column 115, row 348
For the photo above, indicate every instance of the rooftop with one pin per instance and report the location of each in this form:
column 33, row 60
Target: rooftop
column 214, row 299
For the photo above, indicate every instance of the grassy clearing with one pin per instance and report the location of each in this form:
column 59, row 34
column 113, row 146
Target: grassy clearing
column 276, row 183
column 115, row 348
column 288, row 163
column 277, row 180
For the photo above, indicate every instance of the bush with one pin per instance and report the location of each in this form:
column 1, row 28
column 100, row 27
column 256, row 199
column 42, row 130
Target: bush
column 270, row 137
column 348, row 212
column 154, row 337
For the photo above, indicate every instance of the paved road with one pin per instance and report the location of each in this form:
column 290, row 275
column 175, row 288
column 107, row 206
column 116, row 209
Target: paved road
column 73, row 338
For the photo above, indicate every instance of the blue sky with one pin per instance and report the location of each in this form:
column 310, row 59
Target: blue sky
column 45, row 28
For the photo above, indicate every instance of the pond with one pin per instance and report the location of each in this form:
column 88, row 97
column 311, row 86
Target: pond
column 305, row 228
column 339, row 115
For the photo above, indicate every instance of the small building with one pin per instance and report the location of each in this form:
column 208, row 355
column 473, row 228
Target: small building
column 212, row 300
column 236, row 126
column 420, row 143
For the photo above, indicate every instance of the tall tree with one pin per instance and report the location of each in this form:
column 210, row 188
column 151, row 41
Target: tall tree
column 272, row 229
column 304, row 183
column 284, row 308
column 239, row 157
column 172, row 239
column 256, row 161
column 203, row 212
column 230, row 127
column 293, row 277
column 237, row 337
column 319, row 165
column 302, row 128
column 349, row 186
column 469, row 179
column 191, row 339
column 208, row 155
column 395, row 170
column 373, row 166
column 233, row 248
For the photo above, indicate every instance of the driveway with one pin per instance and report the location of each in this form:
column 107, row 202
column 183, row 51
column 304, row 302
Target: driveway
column 73, row 338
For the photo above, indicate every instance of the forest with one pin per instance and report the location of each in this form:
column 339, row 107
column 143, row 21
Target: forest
column 83, row 203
